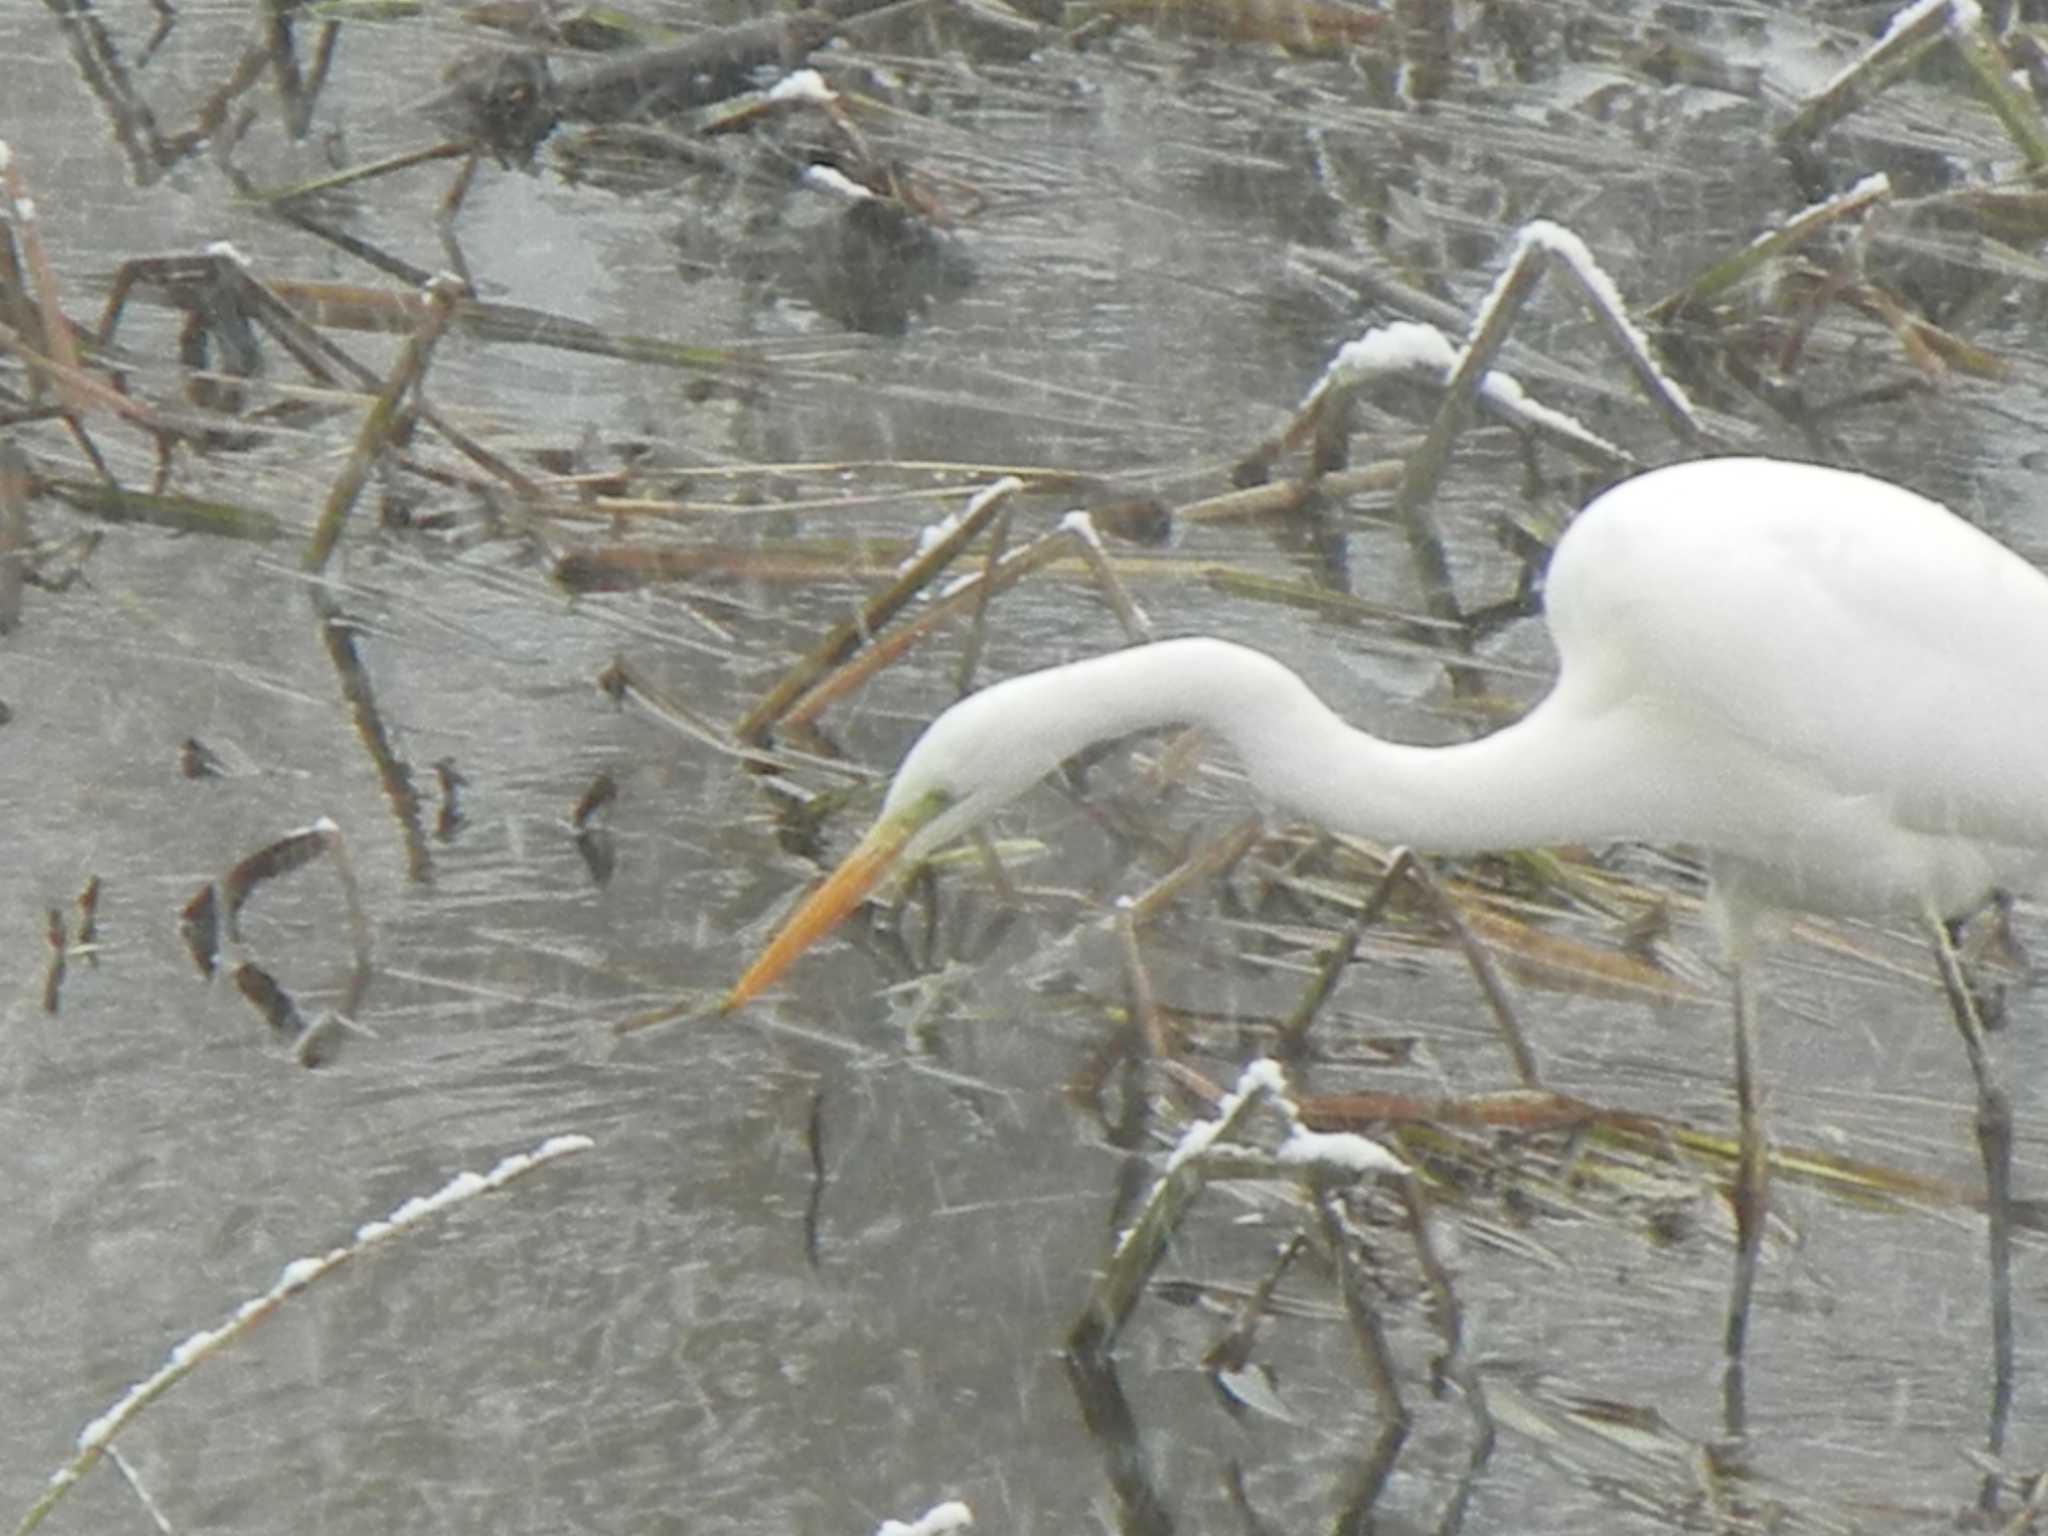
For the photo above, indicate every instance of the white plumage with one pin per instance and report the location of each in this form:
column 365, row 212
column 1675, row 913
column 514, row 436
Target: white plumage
column 1835, row 688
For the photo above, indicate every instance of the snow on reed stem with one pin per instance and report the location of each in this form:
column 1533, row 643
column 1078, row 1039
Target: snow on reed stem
column 1910, row 33
column 1136, row 622
column 97, row 1437
column 1773, row 243
column 939, row 1520
column 1610, row 312
column 1302, row 1152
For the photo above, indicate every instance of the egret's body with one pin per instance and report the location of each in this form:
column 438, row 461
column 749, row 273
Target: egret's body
column 1835, row 688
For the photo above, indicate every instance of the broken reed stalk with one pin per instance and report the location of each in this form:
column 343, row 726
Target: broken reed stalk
column 1424, row 469
column 1996, row 1143
column 1075, row 535
column 88, row 943
column 1208, row 861
column 1535, row 246
column 230, row 269
column 1284, row 498
column 459, row 184
column 97, row 1438
column 1769, row 246
column 1146, row 1033
column 1452, row 1365
column 356, row 307
column 53, row 976
column 1318, row 1161
column 215, row 123
column 297, row 92
column 1138, row 1251
column 162, row 509
column 1911, row 33
column 1406, row 865
column 844, row 638
column 1363, row 1316
column 1625, row 1133
column 887, row 649
column 1603, row 302
column 977, row 629
column 623, row 682
column 2017, row 111
column 338, row 635
column 273, row 861
column 1136, row 625
column 1126, row 1463
column 381, row 419
column 80, row 391
column 315, row 353
column 1292, row 1043
column 1233, row 1350
column 334, row 181
column 1206, row 1150
column 100, row 66
column 1371, row 1334
column 57, row 341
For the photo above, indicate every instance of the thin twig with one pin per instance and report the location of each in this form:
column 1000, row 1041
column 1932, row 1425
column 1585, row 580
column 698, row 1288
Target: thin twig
column 98, row 1436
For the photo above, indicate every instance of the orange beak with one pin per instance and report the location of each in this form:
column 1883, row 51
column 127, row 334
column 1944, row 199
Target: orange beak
column 863, row 869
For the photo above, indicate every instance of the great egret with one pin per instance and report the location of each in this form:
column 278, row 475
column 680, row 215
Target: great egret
column 1833, row 687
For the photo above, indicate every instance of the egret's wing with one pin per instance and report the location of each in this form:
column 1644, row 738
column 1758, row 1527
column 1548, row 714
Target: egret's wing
column 1852, row 631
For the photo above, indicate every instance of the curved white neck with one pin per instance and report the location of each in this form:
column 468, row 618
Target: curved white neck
column 1531, row 784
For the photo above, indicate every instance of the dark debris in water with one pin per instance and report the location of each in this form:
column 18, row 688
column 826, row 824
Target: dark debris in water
column 878, row 264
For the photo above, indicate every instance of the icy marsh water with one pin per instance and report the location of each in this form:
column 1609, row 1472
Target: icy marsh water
column 640, row 1340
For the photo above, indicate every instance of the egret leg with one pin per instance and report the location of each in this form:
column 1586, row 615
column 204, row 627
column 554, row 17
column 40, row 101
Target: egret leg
column 1994, row 1144
column 1752, row 1207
